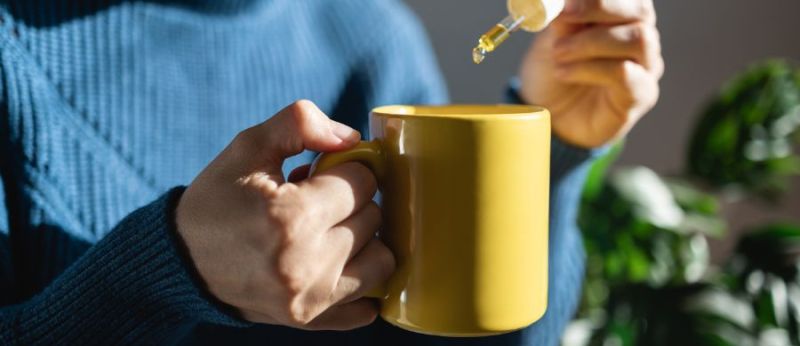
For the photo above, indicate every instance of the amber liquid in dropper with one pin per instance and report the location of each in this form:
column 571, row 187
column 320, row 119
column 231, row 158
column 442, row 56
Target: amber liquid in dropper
column 490, row 40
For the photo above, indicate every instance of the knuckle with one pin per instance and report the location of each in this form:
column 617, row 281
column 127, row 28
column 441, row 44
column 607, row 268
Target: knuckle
column 302, row 106
column 371, row 317
column 653, row 38
column 291, row 279
column 621, row 70
column 306, row 213
column 305, row 116
column 300, row 111
column 653, row 35
column 288, row 212
column 287, row 237
column 281, row 217
column 285, row 192
column 258, row 185
column 629, row 68
column 636, row 31
column 298, row 313
column 638, row 36
column 626, row 72
column 366, row 177
column 660, row 67
column 367, row 317
column 385, row 260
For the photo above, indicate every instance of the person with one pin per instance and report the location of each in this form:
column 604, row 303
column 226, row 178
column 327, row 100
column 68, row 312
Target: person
column 111, row 107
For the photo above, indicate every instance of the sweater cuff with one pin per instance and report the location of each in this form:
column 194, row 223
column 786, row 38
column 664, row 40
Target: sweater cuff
column 565, row 158
column 131, row 287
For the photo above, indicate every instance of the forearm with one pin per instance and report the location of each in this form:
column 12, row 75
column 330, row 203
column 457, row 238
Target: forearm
column 568, row 170
column 131, row 287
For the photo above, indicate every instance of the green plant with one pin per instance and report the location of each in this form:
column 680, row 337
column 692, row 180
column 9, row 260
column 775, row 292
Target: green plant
column 755, row 300
column 648, row 279
column 744, row 137
column 645, row 252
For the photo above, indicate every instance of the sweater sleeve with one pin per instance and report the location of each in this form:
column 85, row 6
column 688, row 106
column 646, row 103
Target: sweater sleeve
column 568, row 168
column 131, row 287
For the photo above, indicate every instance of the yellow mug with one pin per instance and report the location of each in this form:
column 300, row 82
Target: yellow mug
column 465, row 211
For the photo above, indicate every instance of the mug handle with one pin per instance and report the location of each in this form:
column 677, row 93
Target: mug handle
column 367, row 153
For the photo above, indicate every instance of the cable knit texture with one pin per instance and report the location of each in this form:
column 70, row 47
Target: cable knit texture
column 108, row 107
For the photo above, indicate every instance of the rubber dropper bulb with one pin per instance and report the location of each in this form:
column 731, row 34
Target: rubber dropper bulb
column 538, row 14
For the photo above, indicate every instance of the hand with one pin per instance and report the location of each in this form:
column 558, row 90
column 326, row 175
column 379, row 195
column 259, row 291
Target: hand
column 300, row 254
column 596, row 68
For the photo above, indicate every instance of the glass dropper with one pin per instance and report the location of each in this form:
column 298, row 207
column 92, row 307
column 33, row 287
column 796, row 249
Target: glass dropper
column 489, row 41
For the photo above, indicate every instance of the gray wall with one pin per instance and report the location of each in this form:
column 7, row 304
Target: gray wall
column 705, row 42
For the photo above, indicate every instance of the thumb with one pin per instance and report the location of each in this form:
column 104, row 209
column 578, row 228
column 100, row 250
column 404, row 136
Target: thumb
column 301, row 126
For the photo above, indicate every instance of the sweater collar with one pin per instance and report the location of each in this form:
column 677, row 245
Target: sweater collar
column 222, row 6
column 44, row 13
column 68, row 7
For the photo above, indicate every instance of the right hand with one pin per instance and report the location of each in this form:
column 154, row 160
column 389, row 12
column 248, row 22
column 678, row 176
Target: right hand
column 300, row 254
column 596, row 68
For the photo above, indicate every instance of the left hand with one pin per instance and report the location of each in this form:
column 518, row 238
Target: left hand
column 596, row 68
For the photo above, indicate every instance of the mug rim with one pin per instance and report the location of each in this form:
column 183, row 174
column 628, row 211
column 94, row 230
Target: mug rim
column 464, row 111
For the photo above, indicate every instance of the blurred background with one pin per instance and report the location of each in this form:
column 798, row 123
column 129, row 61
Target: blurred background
column 705, row 44
column 692, row 230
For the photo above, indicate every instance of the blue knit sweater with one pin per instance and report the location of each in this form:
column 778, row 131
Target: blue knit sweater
column 108, row 107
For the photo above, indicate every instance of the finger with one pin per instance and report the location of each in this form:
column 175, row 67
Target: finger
column 299, row 173
column 354, row 232
column 340, row 317
column 619, row 74
column 339, row 192
column 638, row 42
column 256, row 316
column 630, row 86
column 348, row 316
column 371, row 267
column 609, row 11
column 657, row 65
column 299, row 126
column 654, row 58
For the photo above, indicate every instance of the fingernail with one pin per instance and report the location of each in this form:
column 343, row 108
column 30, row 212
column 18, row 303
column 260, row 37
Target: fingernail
column 344, row 132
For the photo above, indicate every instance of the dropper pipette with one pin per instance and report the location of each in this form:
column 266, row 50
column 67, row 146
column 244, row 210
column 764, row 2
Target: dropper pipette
column 493, row 38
